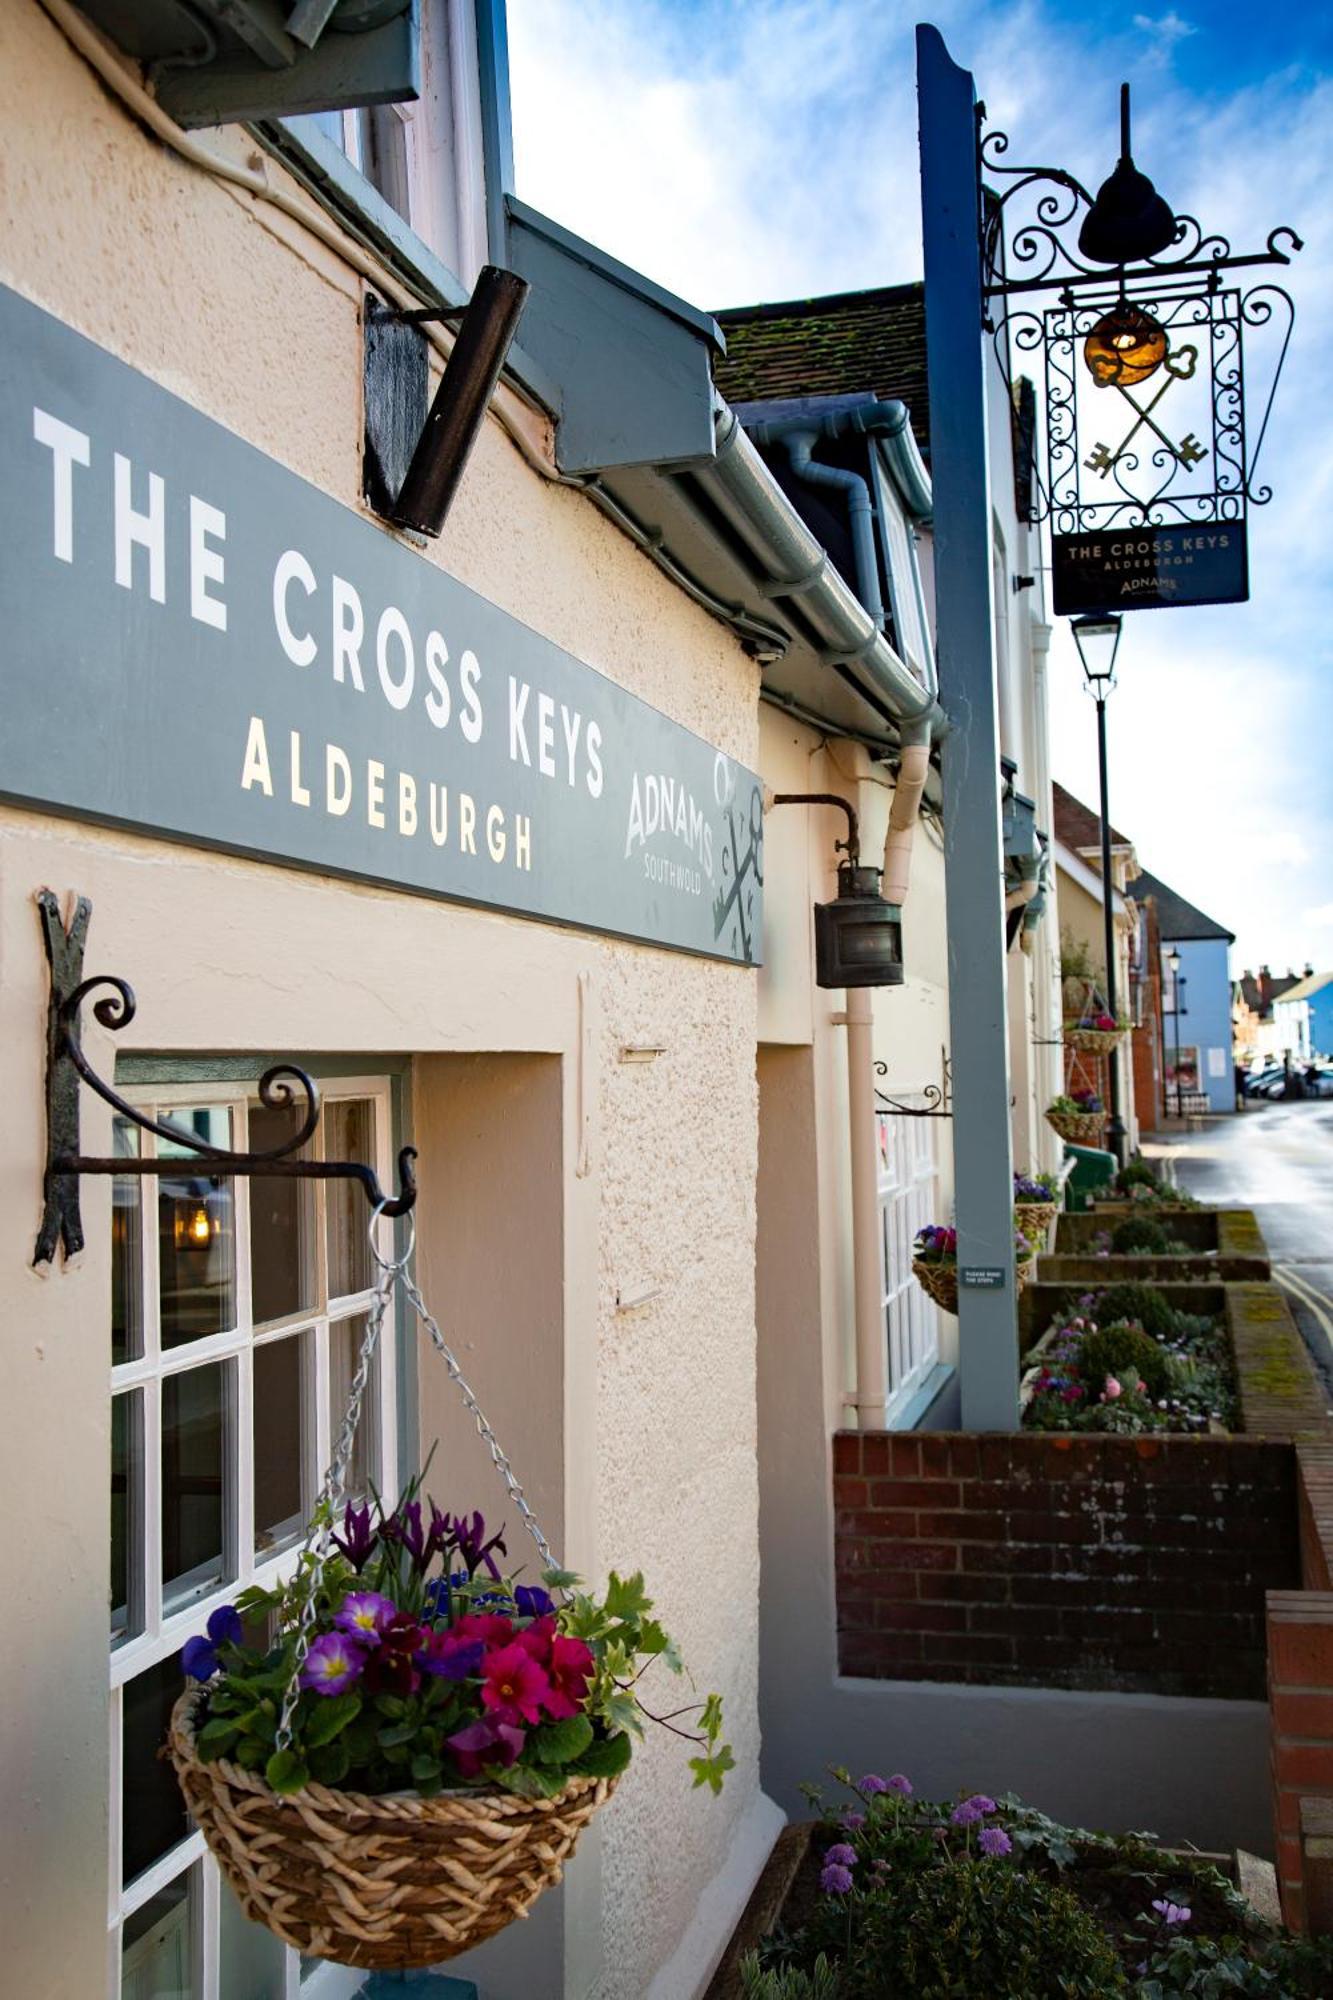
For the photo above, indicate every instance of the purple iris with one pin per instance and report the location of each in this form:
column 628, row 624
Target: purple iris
column 422, row 1543
column 199, row 1657
column 532, row 1602
column 357, row 1540
column 469, row 1533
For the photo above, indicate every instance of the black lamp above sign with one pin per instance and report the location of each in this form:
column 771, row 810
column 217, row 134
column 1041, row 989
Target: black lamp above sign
column 859, row 936
column 1142, row 339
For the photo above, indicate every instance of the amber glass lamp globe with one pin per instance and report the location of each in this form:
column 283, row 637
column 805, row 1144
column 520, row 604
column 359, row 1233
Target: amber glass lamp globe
column 1126, row 346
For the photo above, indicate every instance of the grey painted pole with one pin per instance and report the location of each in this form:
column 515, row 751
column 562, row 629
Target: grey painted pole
column 1115, row 1131
column 974, row 863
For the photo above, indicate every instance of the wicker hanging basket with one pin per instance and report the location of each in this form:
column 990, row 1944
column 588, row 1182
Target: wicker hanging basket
column 1023, row 1270
column 380, row 1882
column 1081, row 1128
column 940, row 1281
column 1092, row 1041
column 1034, row 1218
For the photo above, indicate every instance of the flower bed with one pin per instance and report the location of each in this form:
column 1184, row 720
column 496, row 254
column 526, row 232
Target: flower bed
column 922, row 1899
column 1114, row 1372
column 1155, row 1241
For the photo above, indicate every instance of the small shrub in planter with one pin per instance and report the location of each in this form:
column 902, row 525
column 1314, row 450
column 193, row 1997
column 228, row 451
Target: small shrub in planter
column 1142, row 1303
column 1139, row 1235
column 1126, row 1353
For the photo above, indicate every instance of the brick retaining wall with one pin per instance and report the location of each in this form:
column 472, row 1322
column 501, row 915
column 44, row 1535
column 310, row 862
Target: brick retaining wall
column 1132, row 1564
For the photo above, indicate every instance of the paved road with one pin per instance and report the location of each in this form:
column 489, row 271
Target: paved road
column 1277, row 1160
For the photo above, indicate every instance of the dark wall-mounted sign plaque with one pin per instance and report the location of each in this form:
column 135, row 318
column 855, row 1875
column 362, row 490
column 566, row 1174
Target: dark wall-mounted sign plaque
column 200, row 644
column 1127, row 569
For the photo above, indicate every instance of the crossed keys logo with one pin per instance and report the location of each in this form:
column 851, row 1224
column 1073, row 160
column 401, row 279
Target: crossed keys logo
column 1127, row 347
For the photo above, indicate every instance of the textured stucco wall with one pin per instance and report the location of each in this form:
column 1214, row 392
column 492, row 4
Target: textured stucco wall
column 235, row 310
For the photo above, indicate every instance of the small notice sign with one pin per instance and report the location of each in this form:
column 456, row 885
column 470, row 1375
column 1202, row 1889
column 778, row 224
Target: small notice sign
column 1126, row 569
column 982, row 1277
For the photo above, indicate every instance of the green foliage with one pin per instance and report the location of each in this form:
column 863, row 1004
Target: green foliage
column 1133, row 1300
column 1137, row 1174
column 1126, row 1352
column 1140, row 1235
column 980, row 1927
column 788, row 1982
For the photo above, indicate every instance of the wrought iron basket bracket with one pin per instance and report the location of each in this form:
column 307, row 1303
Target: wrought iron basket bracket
column 937, row 1095
column 285, row 1086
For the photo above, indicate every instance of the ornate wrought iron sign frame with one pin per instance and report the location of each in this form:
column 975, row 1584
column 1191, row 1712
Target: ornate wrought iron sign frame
column 282, row 1087
column 1149, row 472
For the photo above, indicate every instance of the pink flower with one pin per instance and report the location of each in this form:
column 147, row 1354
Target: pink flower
column 570, row 1669
column 515, row 1687
column 1113, row 1390
column 536, row 1639
column 491, row 1627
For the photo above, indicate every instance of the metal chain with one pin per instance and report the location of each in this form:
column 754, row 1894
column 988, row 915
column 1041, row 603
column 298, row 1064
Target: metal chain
column 392, row 1272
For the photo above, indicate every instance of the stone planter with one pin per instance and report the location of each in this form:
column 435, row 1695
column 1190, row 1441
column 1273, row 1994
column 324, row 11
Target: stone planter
column 1225, row 1243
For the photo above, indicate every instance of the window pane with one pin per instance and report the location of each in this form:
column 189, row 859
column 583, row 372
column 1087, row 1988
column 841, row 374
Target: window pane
column 195, row 1481
column 349, row 1134
column 250, row 1958
column 281, row 1443
column 153, row 1815
column 345, row 1337
column 126, row 1249
column 157, row 1948
column 282, row 1213
column 126, row 1513
column 196, row 1234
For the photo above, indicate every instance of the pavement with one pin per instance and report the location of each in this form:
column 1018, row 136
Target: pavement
column 1276, row 1159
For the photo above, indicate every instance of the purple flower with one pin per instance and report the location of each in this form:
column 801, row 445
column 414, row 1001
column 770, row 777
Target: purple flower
column 842, row 1856
column 871, row 1784
column 898, row 1783
column 449, row 1657
column 852, row 1822
column 967, row 1814
column 333, row 1663
column 1172, row 1913
column 531, row 1602
column 199, row 1657
column 834, row 1879
column 982, row 1803
column 358, row 1538
column 469, row 1535
column 993, row 1840
column 365, row 1614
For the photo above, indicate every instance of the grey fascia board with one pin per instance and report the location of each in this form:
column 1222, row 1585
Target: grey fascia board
column 325, row 170
column 616, row 273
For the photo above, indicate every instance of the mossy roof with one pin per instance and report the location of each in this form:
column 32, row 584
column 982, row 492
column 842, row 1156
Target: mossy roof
column 849, row 343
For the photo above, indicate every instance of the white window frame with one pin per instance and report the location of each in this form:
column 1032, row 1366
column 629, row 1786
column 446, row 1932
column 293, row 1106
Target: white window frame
column 908, row 1186
column 164, row 1633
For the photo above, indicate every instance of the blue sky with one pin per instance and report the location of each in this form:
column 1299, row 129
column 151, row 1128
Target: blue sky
column 739, row 150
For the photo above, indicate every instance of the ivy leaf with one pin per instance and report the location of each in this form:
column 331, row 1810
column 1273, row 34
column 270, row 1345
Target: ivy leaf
column 652, row 1639
column 561, row 1742
column 710, row 1720
column 626, row 1597
column 331, row 1717
column 286, row 1773
column 606, row 1758
column 710, row 1771
column 621, row 1714
column 560, row 1579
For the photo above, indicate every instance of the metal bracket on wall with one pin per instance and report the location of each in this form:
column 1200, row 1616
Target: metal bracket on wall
column 937, row 1095
column 284, row 1087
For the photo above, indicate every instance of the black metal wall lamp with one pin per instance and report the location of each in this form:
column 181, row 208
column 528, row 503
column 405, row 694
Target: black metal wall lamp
column 282, row 1087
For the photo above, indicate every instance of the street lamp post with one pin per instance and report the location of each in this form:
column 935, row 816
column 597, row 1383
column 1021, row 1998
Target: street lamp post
column 1097, row 637
column 1173, row 960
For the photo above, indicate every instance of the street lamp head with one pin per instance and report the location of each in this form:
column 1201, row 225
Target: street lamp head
column 1173, row 960
column 1129, row 221
column 1097, row 636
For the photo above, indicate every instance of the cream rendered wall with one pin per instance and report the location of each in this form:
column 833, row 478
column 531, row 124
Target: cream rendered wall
column 235, row 309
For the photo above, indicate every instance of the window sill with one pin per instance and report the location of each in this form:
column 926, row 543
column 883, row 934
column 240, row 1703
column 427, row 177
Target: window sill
column 913, row 1413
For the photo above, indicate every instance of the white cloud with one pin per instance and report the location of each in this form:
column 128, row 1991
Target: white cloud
column 1321, row 918
column 741, row 150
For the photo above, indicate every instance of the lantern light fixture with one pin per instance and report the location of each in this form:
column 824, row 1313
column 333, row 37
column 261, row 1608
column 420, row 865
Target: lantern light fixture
column 1129, row 221
column 1126, row 346
column 858, row 936
column 1097, row 636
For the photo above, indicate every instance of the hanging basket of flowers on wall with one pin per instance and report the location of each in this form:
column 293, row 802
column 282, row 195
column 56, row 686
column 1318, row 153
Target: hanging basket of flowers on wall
column 935, row 1263
column 1089, row 1025
column 1079, row 1118
column 1036, row 1205
column 409, row 1760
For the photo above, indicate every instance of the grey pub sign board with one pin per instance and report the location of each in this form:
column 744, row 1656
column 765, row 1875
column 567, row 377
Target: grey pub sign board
column 200, row 644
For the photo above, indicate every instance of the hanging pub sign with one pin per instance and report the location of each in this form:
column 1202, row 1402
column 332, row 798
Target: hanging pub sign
column 199, row 644
column 1130, row 313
